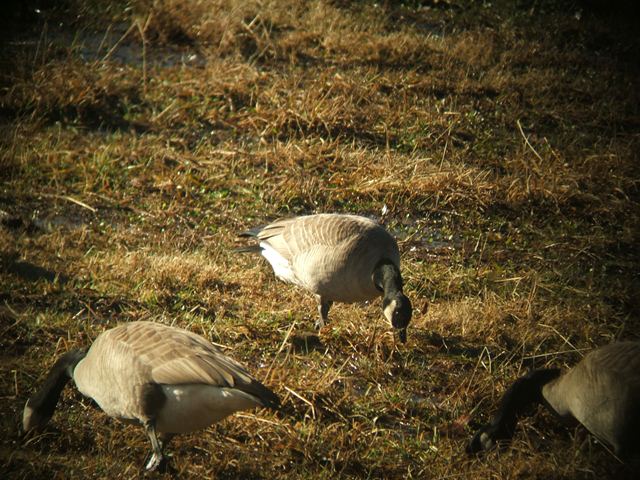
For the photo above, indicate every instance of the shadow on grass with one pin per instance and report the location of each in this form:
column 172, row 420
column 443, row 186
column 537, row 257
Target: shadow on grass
column 306, row 342
column 29, row 271
column 452, row 345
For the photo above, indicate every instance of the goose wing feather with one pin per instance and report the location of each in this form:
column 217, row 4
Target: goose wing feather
column 292, row 236
column 174, row 356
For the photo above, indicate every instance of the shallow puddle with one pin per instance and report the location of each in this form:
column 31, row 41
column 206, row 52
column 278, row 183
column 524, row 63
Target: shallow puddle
column 120, row 42
column 52, row 223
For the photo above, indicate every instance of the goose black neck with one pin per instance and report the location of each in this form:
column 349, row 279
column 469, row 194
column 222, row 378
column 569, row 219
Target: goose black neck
column 387, row 278
column 262, row 393
column 46, row 398
column 525, row 393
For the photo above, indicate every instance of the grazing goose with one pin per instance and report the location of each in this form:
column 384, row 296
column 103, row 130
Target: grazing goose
column 167, row 379
column 602, row 392
column 338, row 258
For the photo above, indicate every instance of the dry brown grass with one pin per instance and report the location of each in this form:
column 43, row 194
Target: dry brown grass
column 501, row 138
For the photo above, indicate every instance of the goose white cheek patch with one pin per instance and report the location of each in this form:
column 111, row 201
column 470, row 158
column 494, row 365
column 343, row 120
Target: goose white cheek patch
column 389, row 309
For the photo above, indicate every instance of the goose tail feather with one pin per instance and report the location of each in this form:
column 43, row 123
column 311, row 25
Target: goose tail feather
column 252, row 232
column 248, row 249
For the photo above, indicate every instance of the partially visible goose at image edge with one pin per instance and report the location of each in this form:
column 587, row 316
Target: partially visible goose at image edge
column 602, row 392
column 167, row 379
column 338, row 258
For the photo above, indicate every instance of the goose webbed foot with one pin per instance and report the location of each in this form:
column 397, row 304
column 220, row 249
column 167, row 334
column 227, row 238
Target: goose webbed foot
column 162, row 465
column 156, row 463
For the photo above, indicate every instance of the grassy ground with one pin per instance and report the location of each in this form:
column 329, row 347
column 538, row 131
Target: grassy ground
column 501, row 139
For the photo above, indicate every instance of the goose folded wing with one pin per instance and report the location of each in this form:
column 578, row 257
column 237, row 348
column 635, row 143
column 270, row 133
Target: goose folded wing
column 293, row 236
column 211, row 368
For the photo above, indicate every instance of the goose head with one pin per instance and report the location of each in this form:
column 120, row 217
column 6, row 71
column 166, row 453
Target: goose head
column 40, row 407
column 397, row 310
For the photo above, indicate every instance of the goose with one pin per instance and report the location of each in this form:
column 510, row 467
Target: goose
column 602, row 392
column 167, row 379
column 338, row 258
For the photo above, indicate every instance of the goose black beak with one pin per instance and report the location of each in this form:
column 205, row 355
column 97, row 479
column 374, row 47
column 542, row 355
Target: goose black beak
column 402, row 334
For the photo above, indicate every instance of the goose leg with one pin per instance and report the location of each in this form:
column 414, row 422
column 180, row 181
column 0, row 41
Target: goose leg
column 323, row 310
column 165, row 438
column 157, row 460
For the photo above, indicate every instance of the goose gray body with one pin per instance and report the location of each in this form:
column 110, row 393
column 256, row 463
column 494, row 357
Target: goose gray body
column 338, row 258
column 602, row 392
column 169, row 380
